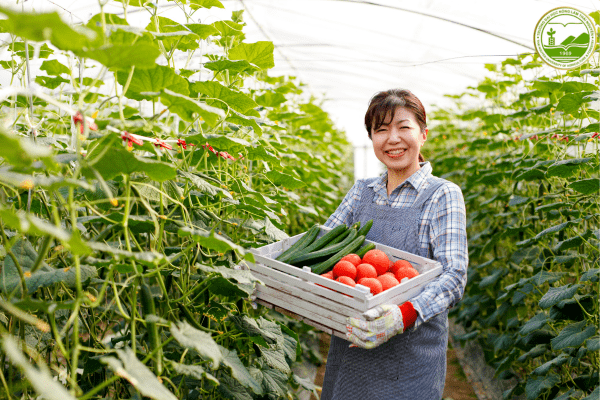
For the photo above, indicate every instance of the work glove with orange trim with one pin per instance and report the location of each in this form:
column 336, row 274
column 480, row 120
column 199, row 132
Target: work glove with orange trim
column 379, row 324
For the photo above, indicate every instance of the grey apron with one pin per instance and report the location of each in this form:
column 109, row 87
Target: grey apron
column 411, row 365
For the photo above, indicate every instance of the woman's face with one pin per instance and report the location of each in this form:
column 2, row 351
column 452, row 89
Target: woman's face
column 397, row 143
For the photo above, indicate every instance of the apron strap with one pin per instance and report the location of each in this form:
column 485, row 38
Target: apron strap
column 434, row 184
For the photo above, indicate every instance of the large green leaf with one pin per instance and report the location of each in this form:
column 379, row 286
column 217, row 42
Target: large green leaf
column 594, row 395
column 39, row 27
column 211, row 240
column 54, row 67
column 128, row 366
column 202, row 342
column 28, row 223
column 40, row 377
column 251, row 327
column 172, row 34
column 285, row 180
column 234, row 99
column 259, row 54
column 195, row 4
column 571, row 102
column 239, row 371
column 186, row 107
column 234, row 67
column 119, row 161
column 241, row 279
column 231, row 388
column 557, row 294
column 203, row 31
column 50, row 82
column 124, row 56
column 573, row 335
column 554, row 363
column 544, row 276
column 536, row 386
column 273, row 381
column 566, row 168
column 586, row 186
column 152, row 81
column 230, row 144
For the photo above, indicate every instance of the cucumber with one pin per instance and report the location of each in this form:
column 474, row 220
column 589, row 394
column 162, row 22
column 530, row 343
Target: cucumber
column 324, row 240
column 363, row 250
column 365, row 229
column 153, row 336
column 356, row 225
column 328, row 264
column 299, row 244
column 302, row 257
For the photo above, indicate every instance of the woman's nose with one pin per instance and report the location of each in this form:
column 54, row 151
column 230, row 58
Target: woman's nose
column 395, row 135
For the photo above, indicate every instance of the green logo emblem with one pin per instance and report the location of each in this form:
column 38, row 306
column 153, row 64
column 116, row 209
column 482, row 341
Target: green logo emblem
column 565, row 38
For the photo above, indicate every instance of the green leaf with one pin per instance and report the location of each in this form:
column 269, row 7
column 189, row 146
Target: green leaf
column 596, row 393
column 574, row 86
column 535, row 352
column 195, row 371
column 271, row 99
column 273, row 381
column 195, row 4
column 592, row 275
column 234, row 99
column 492, row 279
column 556, row 228
column 202, row 185
column 153, row 80
column 517, row 200
column 536, row 386
column 544, row 276
column 28, row 223
column 556, row 294
column 202, row 342
column 230, row 388
column 555, row 362
column 244, row 280
column 118, row 161
column 566, row 168
column 239, row 371
column 259, row 54
column 274, row 233
column 571, row 102
column 172, row 34
column 53, row 67
column 573, row 335
column 251, row 327
column 50, row 82
column 586, row 186
column 593, row 344
column 40, row 377
column 285, row 180
column 21, row 151
column 234, row 67
column 130, row 368
column 534, row 324
column 210, row 240
column 228, row 28
column 203, row 31
column 124, row 56
column 39, row 27
column 186, row 107
column 230, row 144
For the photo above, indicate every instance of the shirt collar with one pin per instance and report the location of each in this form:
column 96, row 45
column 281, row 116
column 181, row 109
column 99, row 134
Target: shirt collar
column 416, row 180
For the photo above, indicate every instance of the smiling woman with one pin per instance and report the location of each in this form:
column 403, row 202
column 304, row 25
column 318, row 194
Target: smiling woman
column 399, row 352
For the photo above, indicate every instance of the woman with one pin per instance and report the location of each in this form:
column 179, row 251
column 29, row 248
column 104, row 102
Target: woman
column 399, row 352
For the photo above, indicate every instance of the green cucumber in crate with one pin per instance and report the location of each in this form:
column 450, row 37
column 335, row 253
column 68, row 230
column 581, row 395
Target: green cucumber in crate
column 324, row 240
column 303, row 242
column 363, row 250
column 302, row 257
column 329, row 263
column 365, row 229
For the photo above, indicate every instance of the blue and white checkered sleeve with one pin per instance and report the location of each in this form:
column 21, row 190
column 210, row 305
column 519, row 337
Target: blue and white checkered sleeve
column 448, row 238
column 343, row 214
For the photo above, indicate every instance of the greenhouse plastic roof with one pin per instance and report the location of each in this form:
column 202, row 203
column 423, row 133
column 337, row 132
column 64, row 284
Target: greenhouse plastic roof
column 347, row 50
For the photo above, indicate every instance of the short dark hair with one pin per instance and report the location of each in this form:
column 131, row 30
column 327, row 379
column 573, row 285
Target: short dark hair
column 383, row 105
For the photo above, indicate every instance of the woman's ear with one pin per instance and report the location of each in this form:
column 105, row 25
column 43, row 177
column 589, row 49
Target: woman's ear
column 424, row 135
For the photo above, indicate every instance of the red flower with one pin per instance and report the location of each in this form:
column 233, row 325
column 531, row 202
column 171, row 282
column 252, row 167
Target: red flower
column 183, row 144
column 160, row 143
column 78, row 121
column 209, row 147
column 595, row 135
column 131, row 139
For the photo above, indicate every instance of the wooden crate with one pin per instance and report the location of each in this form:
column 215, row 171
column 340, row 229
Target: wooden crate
column 306, row 296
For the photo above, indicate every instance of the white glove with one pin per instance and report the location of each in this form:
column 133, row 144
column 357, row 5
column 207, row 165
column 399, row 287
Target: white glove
column 377, row 326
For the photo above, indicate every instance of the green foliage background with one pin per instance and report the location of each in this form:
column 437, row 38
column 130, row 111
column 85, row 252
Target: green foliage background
column 120, row 252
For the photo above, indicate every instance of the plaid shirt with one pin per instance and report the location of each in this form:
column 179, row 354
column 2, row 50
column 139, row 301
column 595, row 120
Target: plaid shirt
column 442, row 233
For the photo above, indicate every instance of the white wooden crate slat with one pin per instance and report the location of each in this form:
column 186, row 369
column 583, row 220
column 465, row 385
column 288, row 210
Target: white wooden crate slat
column 332, row 294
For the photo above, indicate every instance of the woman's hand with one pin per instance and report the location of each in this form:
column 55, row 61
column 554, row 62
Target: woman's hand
column 379, row 324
